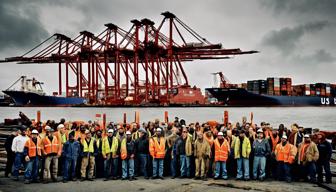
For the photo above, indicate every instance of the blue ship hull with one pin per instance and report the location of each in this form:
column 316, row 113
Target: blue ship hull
column 242, row 97
column 22, row 98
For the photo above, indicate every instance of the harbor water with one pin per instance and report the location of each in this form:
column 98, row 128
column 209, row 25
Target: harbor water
column 323, row 118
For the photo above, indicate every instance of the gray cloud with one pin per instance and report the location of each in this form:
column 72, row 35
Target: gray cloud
column 20, row 25
column 286, row 39
column 320, row 56
column 302, row 8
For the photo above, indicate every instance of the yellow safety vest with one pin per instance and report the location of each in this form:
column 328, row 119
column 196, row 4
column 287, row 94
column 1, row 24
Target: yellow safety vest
column 106, row 148
column 88, row 148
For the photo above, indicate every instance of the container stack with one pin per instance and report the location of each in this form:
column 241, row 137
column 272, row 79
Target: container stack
column 270, row 86
column 312, row 90
column 253, row 86
column 262, row 86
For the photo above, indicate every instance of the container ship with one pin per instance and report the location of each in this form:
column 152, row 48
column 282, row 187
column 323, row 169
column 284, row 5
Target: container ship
column 271, row 92
column 30, row 93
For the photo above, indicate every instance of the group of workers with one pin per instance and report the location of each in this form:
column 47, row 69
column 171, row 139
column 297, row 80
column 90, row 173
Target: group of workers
column 156, row 149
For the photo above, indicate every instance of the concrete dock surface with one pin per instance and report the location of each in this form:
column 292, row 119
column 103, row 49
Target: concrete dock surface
column 168, row 184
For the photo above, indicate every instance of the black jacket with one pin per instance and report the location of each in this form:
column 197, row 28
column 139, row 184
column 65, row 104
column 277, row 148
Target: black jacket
column 142, row 145
column 325, row 151
column 180, row 146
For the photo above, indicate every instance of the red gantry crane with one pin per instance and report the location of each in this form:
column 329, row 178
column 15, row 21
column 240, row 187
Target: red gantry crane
column 139, row 66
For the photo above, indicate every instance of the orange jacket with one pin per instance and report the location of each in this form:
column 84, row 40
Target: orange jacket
column 221, row 151
column 157, row 150
column 32, row 148
column 51, row 147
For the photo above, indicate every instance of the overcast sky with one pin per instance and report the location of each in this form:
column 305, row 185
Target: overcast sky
column 296, row 38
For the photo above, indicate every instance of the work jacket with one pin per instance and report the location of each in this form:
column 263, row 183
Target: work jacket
column 202, row 149
column 309, row 154
column 71, row 150
column 246, row 148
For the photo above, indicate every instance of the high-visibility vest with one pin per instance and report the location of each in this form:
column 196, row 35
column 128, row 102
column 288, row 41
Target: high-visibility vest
column 63, row 138
column 107, row 149
column 221, row 151
column 157, row 150
column 88, row 148
column 32, row 148
column 274, row 141
column 285, row 153
column 123, row 149
column 51, row 147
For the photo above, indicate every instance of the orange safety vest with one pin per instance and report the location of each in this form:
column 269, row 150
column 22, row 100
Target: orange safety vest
column 283, row 153
column 303, row 151
column 51, row 147
column 221, row 151
column 157, row 150
column 32, row 148
column 123, row 149
column 274, row 141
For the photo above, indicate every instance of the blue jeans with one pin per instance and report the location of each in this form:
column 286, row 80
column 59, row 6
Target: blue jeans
column 32, row 167
column 127, row 168
column 108, row 164
column 326, row 166
column 185, row 165
column 284, row 171
column 310, row 170
column 17, row 164
column 158, row 167
column 221, row 165
column 259, row 162
column 69, row 165
column 240, row 163
column 143, row 159
column 173, row 166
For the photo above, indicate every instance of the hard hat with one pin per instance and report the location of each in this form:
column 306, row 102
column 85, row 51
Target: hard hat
column 142, row 130
column 284, row 137
column 34, row 131
column 220, row 134
column 60, row 126
column 128, row 133
column 110, row 131
column 306, row 136
column 158, row 129
column 87, row 132
column 47, row 128
column 260, row 131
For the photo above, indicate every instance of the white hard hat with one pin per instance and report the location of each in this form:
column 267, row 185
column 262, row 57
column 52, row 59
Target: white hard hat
column 284, row 137
column 260, row 131
column 220, row 134
column 60, row 126
column 110, row 131
column 158, row 129
column 47, row 128
column 128, row 133
column 34, row 131
column 306, row 136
